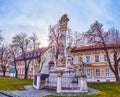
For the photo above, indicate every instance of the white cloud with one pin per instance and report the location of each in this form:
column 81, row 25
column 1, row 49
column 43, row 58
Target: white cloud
column 36, row 15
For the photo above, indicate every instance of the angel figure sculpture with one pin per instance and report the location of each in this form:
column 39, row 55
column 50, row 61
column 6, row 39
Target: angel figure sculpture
column 39, row 64
column 79, row 69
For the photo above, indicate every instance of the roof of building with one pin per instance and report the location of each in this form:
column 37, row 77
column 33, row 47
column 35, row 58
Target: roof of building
column 94, row 47
column 29, row 53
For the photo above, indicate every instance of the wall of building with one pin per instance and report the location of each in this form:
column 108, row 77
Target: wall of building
column 7, row 74
column 95, row 71
column 31, row 71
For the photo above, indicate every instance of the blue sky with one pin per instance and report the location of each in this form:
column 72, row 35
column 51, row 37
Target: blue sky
column 36, row 15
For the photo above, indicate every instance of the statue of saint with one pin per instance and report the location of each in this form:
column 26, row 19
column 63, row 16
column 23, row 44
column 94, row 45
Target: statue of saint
column 61, row 61
column 79, row 68
column 38, row 65
column 63, row 23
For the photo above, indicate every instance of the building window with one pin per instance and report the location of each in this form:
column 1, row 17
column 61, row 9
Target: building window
column 105, row 58
column 107, row 72
column 96, row 58
column 79, row 59
column 32, row 69
column 72, row 61
column 88, row 73
column 20, row 70
column 97, row 72
column 29, row 70
column 87, row 59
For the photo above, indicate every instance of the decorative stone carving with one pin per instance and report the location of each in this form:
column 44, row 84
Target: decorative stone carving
column 63, row 23
column 61, row 61
column 79, row 68
column 69, row 66
column 83, row 83
column 37, row 66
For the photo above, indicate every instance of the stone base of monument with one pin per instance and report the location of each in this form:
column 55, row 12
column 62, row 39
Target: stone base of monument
column 36, row 81
column 63, row 81
column 83, row 83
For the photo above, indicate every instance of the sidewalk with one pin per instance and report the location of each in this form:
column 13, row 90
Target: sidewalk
column 31, row 92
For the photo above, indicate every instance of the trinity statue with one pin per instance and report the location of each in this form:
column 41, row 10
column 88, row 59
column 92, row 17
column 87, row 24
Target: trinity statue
column 61, row 61
column 63, row 23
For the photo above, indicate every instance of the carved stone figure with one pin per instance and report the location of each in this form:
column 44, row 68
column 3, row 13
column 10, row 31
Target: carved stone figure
column 79, row 69
column 61, row 61
column 38, row 66
column 69, row 66
column 63, row 23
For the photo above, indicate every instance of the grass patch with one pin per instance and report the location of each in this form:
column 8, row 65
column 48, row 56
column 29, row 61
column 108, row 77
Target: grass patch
column 13, row 84
column 106, row 90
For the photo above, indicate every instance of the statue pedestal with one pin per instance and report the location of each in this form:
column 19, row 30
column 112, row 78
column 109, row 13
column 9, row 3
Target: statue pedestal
column 36, row 81
column 83, row 84
column 59, row 84
column 59, row 77
column 64, row 81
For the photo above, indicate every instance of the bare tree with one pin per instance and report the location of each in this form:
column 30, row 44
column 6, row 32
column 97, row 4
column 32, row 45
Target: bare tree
column 77, row 39
column 54, row 37
column 96, row 34
column 23, row 42
column 34, row 41
column 37, row 52
column 14, row 53
column 3, row 55
column 4, row 58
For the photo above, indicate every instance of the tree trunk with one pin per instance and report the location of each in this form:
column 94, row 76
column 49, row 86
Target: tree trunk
column 4, row 73
column 16, row 73
column 26, row 73
column 117, row 77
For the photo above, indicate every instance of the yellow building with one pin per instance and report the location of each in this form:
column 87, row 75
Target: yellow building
column 45, row 52
column 96, row 68
column 96, row 65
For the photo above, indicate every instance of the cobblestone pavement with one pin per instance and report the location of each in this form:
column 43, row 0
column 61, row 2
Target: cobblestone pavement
column 2, row 95
column 30, row 92
column 6, row 94
column 33, row 93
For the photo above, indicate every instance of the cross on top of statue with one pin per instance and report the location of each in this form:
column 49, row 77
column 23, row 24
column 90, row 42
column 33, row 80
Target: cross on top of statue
column 63, row 23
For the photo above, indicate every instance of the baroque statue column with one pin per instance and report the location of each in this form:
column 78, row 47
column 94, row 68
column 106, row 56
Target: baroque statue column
column 61, row 62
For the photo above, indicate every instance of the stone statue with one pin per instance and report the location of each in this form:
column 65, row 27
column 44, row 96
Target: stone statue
column 61, row 61
column 79, row 69
column 63, row 23
column 38, row 66
column 69, row 66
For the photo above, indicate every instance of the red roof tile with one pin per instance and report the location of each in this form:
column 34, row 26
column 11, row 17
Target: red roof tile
column 92, row 47
column 41, row 50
